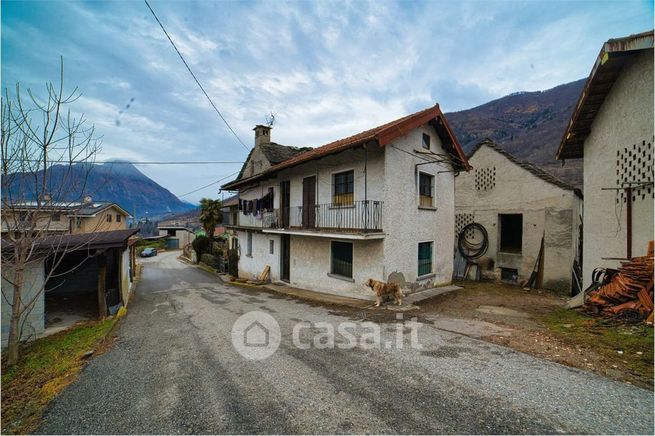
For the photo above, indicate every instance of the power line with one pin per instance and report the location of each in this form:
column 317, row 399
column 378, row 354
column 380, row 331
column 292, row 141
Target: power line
column 210, row 184
column 195, row 78
column 134, row 162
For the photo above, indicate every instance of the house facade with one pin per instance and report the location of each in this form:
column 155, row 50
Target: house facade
column 519, row 204
column 379, row 204
column 67, row 217
column 177, row 237
column 612, row 129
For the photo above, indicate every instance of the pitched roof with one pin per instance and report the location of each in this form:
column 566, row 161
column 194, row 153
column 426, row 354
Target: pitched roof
column 275, row 153
column 535, row 170
column 614, row 54
column 77, row 208
column 380, row 135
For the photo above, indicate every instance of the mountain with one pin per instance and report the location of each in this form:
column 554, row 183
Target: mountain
column 120, row 182
column 528, row 125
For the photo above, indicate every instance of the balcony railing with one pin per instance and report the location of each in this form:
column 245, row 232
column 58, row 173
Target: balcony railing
column 359, row 217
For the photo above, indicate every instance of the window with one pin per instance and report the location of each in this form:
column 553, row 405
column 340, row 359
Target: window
column 249, row 244
column 271, row 246
column 78, row 222
column 171, row 232
column 426, row 195
column 342, row 259
column 118, row 218
column 511, row 232
column 426, row 141
column 424, row 258
column 108, row 218
column 343, row 188
column 56, row 217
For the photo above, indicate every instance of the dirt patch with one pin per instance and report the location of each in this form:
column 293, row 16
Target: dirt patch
column 540, row 326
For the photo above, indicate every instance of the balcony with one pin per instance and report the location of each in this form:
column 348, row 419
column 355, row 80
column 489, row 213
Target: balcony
column 359, row 220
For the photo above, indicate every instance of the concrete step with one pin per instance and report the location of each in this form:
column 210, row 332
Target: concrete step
column 429, row 293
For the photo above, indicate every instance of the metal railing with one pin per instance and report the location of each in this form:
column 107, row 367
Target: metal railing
column 360, row 216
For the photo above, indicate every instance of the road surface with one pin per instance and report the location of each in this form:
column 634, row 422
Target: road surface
column 174, row 369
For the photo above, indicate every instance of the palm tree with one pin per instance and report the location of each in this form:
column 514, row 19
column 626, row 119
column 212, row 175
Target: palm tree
column 210, row 215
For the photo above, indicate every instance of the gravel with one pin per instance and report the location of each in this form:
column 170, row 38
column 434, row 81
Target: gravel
column 174, row 370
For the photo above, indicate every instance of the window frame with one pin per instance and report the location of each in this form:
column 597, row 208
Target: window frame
column 56, row 217
column 271, row 246
column 421, row 196
column 423, row 142
column 332, row 272
column 249, row 243
column 118, row 218
column 108, row 218
column 348, row 201
column 418, row 259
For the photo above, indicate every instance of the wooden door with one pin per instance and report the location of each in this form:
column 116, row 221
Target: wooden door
column 285, row 203
column 309, row 202
column 285, row 257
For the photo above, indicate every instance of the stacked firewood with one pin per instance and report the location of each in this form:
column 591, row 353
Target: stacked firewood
column 630, row 291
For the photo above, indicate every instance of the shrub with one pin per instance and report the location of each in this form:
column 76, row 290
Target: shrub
column 202, row 244
column 211, row 260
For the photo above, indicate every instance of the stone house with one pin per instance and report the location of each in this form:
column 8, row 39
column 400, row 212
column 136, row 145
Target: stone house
column 518, row 204
column 378, row 204
column 612, row 129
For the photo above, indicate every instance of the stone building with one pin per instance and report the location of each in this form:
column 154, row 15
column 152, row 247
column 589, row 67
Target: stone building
column 518, row 203
column 612, row 129
column 377, row 204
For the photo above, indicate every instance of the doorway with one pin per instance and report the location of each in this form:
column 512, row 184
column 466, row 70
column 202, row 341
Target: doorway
column 309, row 202
column 285, row 257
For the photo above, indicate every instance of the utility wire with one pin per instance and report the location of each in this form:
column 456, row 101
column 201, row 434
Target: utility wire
column 133, row 162
column 195, row 78
column 210, row 184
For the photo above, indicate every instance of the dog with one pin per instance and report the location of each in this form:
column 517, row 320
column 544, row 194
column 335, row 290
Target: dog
column 381, row 288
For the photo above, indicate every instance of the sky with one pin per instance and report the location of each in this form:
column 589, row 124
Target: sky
column 326, row 69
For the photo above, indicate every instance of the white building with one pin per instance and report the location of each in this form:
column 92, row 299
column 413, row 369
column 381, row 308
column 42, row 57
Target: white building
column 379, row 204
column 612, row 128
column 519, row 204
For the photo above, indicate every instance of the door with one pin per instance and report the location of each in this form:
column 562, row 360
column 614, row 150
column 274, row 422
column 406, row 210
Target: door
column 309, row 202
column 285, row 257
column 285, row 200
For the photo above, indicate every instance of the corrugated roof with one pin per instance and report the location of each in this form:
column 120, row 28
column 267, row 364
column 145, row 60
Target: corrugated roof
column 535, row 170
column 76, row 207
column 80, row 241
column 381, row 135
column 614, row 54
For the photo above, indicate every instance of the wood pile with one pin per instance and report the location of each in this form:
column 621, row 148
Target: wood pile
column 630, row 291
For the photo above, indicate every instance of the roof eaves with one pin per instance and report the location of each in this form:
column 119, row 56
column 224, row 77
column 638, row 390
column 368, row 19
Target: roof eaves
column 612, row 56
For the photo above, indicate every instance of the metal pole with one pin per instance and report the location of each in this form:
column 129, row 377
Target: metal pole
column 628, row 192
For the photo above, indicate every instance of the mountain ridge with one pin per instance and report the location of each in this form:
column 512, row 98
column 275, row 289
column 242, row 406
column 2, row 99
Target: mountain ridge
column 527, row 124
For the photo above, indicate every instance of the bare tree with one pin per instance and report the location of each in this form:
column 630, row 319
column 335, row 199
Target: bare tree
column 37, row 135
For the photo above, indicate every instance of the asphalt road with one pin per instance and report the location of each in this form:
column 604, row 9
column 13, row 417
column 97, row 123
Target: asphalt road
column 175, row 370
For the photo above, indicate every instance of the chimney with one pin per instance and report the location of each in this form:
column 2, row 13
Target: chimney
column 262, row 134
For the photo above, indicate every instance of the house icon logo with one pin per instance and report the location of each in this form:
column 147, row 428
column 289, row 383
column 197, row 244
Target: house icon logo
column 256, row 335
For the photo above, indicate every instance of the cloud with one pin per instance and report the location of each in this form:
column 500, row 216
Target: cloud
column 326, row 69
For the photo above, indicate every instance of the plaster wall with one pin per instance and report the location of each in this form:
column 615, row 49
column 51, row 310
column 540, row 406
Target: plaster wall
column 624, row 119
column 35, row 319
column 253, row 265
column 405, row 223
column 548, row 211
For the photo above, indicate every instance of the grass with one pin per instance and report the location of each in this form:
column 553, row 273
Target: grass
column 631, row 344
column 47, row 366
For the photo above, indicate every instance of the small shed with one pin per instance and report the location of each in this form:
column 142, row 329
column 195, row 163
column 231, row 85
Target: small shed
column 73, row 277
column 522, row 207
